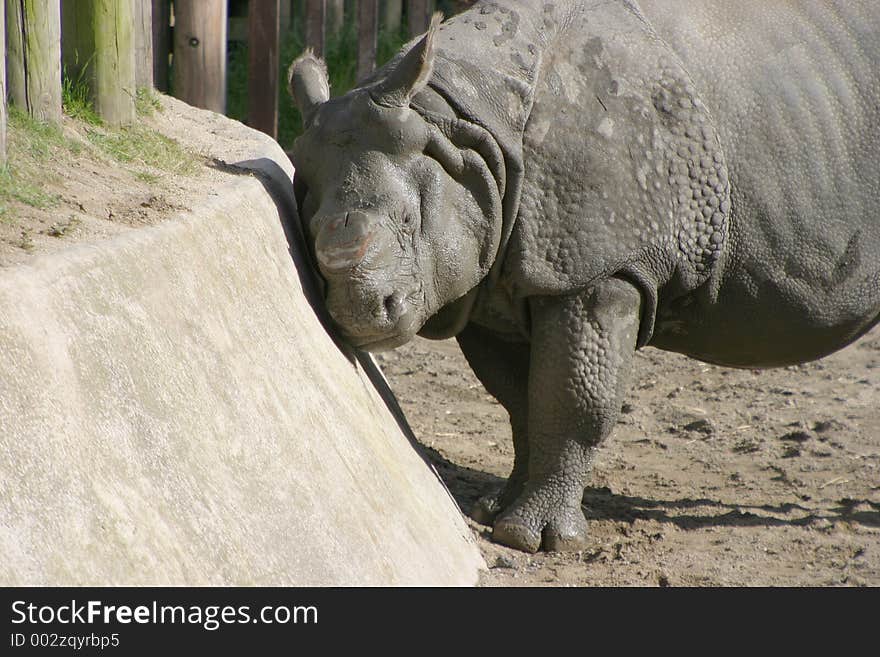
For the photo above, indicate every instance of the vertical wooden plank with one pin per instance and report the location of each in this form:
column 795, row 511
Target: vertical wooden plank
column 99, row 47
column 418, row 14
column 200, row 53
column 263, row 46
column 368, row 27
column 15, row 53
column 77, row 39
column 335, row 16
column 34, row 57
column 2, row 85
column 315, row 12
column 392, row 14
column 114, row 80
column 143, row 43
column 161, row 12
column 285, row 12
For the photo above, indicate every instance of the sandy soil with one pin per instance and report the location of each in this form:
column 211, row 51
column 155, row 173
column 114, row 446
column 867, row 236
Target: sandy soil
column 713, row 476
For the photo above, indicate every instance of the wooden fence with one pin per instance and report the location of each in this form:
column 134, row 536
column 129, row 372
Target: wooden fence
column 2, row 86
column 118, row 46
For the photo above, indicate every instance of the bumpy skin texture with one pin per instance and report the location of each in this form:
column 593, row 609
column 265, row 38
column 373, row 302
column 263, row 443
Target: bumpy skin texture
column 588, row 178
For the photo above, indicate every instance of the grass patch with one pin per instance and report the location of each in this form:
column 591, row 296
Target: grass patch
column 142, row 146
column 75, row 99
column 16, row 186
column 129, row 145
column 146, row 102
column 33, row 138
column 77, row 103
column 30, row 145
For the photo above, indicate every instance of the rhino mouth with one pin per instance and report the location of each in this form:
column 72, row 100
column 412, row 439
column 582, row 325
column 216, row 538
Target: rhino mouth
column 378, row 322
column 376, row 344
column 395, row 336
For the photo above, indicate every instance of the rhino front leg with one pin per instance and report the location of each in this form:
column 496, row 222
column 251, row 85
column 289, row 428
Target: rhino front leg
column 581, row 354
column 503, row 369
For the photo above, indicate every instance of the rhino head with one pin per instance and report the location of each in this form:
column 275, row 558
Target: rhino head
column 400, row 210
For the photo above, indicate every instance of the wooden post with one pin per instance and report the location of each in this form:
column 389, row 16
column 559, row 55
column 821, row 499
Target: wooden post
column 391, row 15
column 263, row 44
column 284, row 15
column 418, row 14
column 34, row 57
column 115, row 87
column 200, row 53
column 161, row 47
column 315, row 11
column 2, row 85
column 335, row 15
column 368, row 26
column 143, row 43
column 99, row 47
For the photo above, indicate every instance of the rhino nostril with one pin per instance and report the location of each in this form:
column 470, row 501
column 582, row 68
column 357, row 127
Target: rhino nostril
column 394, row 306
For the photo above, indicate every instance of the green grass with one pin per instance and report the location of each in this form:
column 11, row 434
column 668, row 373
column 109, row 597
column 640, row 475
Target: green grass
column 75, row 98
column 136, row 144
column 141, row 146
column 14, row 186
column 129, row 145
column 37, row 139
column 147, row 102
column 30, row 145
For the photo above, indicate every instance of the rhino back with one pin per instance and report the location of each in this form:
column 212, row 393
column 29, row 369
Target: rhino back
column 794, row 91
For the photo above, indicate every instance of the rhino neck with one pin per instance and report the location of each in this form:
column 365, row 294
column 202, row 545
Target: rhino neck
column 486, row 67
column 471, row 155
column 481, row 93
column 451, row 319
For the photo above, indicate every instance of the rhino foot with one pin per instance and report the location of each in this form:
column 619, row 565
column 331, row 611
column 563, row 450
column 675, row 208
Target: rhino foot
column 565, row 530
column 488, row 507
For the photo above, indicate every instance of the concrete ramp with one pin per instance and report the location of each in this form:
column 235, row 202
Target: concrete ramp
column 172, row 412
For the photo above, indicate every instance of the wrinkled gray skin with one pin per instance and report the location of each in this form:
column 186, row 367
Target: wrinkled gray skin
column 558, row 184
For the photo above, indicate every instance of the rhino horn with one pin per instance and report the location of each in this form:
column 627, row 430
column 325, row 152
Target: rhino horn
column 343, row 240
column 412, row 72
column 308, row 84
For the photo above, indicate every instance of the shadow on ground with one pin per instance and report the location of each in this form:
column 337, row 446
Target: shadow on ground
column 603, row 504
column 467, row 485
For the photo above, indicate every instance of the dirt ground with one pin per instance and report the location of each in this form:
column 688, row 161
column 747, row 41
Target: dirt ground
column 713, row 476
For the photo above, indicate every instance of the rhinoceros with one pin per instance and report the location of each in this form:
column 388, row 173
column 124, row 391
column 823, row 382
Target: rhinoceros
column 558, row 183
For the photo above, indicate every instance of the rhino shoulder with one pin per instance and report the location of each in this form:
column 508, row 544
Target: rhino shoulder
column 624, row 168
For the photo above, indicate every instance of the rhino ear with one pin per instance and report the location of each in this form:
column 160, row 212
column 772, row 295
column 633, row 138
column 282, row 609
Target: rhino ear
column 308, row 84
column 411, row 73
